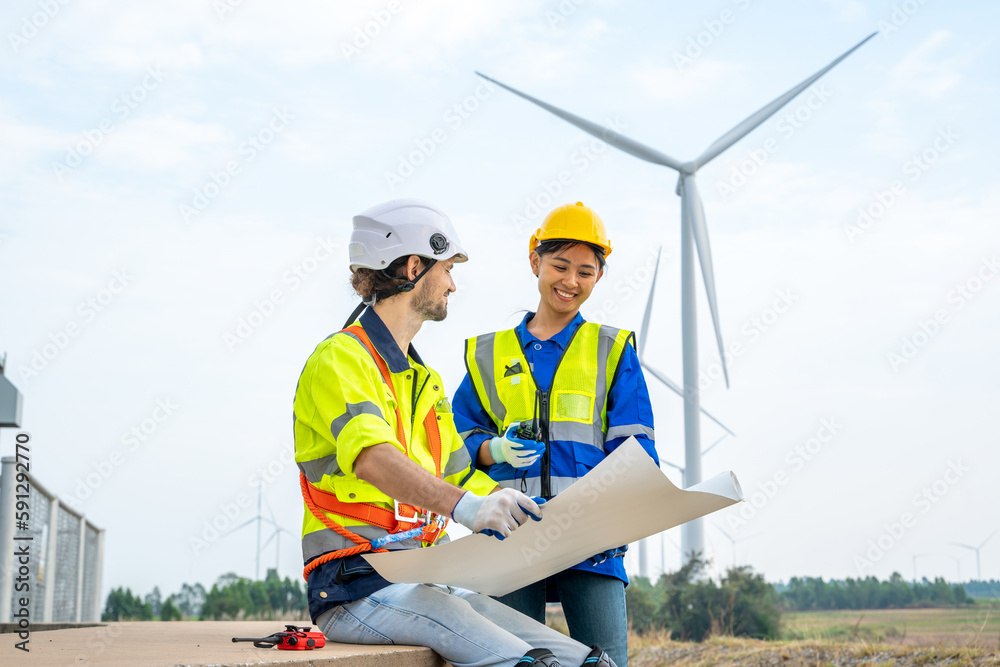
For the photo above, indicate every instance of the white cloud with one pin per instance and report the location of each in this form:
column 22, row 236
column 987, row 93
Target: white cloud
column 164, row 141
column 848, row 10
column 925, row 72
column 666, row 82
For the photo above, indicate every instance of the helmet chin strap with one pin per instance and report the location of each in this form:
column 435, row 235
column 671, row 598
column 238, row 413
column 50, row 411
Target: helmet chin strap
column 390, row 291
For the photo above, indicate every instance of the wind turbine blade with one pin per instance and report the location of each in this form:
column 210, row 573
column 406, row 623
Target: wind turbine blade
column 712, row 446
column 605, row 134
column 964, row 546
column 989, row 538
column 693, row 211
column 724, row 532
column 673, row 465
column 242, row 525
column 649, row 307
column 765, row 112
column 673, row 386
column 269, row 539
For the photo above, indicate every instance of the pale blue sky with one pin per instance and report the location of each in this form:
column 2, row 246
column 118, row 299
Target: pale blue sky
column 118, row 115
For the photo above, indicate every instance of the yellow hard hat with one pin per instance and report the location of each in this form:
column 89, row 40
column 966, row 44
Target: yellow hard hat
column 573, row 222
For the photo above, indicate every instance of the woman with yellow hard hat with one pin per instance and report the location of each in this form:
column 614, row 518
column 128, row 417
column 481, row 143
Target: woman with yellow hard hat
column 581, row 384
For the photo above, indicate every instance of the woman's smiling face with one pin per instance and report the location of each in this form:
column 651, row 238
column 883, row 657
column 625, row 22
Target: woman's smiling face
column 566, row 277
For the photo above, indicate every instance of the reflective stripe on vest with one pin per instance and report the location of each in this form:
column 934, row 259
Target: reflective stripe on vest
column 506, row 388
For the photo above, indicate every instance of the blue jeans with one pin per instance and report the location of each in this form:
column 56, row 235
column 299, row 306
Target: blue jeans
column 594, row 605
column 467, row 629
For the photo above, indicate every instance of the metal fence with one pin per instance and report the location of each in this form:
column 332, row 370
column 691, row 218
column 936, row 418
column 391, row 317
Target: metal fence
column 66, row 554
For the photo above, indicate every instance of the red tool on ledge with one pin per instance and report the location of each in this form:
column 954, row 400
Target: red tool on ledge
column 294, row 638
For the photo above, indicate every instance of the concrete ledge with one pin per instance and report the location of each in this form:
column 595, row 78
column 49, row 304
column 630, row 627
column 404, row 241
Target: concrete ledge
column 42, row 627
column 194, row 643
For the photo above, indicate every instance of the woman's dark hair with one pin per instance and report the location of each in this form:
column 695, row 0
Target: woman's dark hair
column 555, row 245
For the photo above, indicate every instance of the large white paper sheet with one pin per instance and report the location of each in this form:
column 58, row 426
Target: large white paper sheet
column 624, row 499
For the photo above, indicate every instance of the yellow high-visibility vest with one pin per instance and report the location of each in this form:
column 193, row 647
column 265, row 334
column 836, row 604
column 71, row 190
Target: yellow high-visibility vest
column 574, row 408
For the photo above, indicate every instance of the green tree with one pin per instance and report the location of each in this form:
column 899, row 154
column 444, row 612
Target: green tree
column 190, row 600
column 121, row 605
column 640, row 604
column 169, row 612
column 155, row 600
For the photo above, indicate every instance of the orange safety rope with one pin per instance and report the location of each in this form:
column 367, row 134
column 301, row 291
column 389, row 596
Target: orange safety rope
column 363, row 545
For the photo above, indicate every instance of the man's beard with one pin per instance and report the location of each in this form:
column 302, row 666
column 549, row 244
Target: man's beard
column 428, row 306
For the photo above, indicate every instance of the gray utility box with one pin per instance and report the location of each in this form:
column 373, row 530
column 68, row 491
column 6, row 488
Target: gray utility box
column 10, row 403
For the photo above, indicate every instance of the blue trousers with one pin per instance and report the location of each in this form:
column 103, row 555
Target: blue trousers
column 594, row 605
column 467, row 629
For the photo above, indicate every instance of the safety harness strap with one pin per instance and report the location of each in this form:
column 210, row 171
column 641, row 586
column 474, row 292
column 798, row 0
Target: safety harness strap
column 386, row 377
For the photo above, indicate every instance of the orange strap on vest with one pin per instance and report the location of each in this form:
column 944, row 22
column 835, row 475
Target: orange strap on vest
column 317, row 499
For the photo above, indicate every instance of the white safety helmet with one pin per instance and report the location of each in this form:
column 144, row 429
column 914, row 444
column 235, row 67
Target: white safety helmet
column 399, row 228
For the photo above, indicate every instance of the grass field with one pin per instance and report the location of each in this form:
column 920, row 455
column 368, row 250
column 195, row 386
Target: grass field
column 871, row 638
column 976, row 626
column 729, row 652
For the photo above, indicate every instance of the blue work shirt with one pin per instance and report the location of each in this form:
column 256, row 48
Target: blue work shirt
column 627, row 403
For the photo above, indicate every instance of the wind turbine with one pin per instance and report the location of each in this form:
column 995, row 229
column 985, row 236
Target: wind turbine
column 694, row 234
column 276, row 536
column 692, row 531
column 259, row 519
column 915, row 557
column 734, row 540
column 979, row 573
column 958, row 567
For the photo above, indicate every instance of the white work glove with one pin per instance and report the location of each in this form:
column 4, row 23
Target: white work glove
column 497, row 514
column 516, row 451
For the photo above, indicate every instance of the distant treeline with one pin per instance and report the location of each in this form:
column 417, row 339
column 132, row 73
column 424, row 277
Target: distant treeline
column 808, row 593
column 983, row 589
column 231, row 597
column 692, row 607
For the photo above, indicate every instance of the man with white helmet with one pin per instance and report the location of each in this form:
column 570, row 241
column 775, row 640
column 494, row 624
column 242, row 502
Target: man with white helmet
column 383, row 468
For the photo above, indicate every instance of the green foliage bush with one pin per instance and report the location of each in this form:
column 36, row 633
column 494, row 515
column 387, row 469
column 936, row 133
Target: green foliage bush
column 691, row 607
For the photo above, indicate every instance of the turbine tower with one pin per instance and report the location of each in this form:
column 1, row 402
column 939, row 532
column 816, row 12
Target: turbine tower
column 915, row 557
column 979, row 572
column 692, row 531
column 694, row 237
